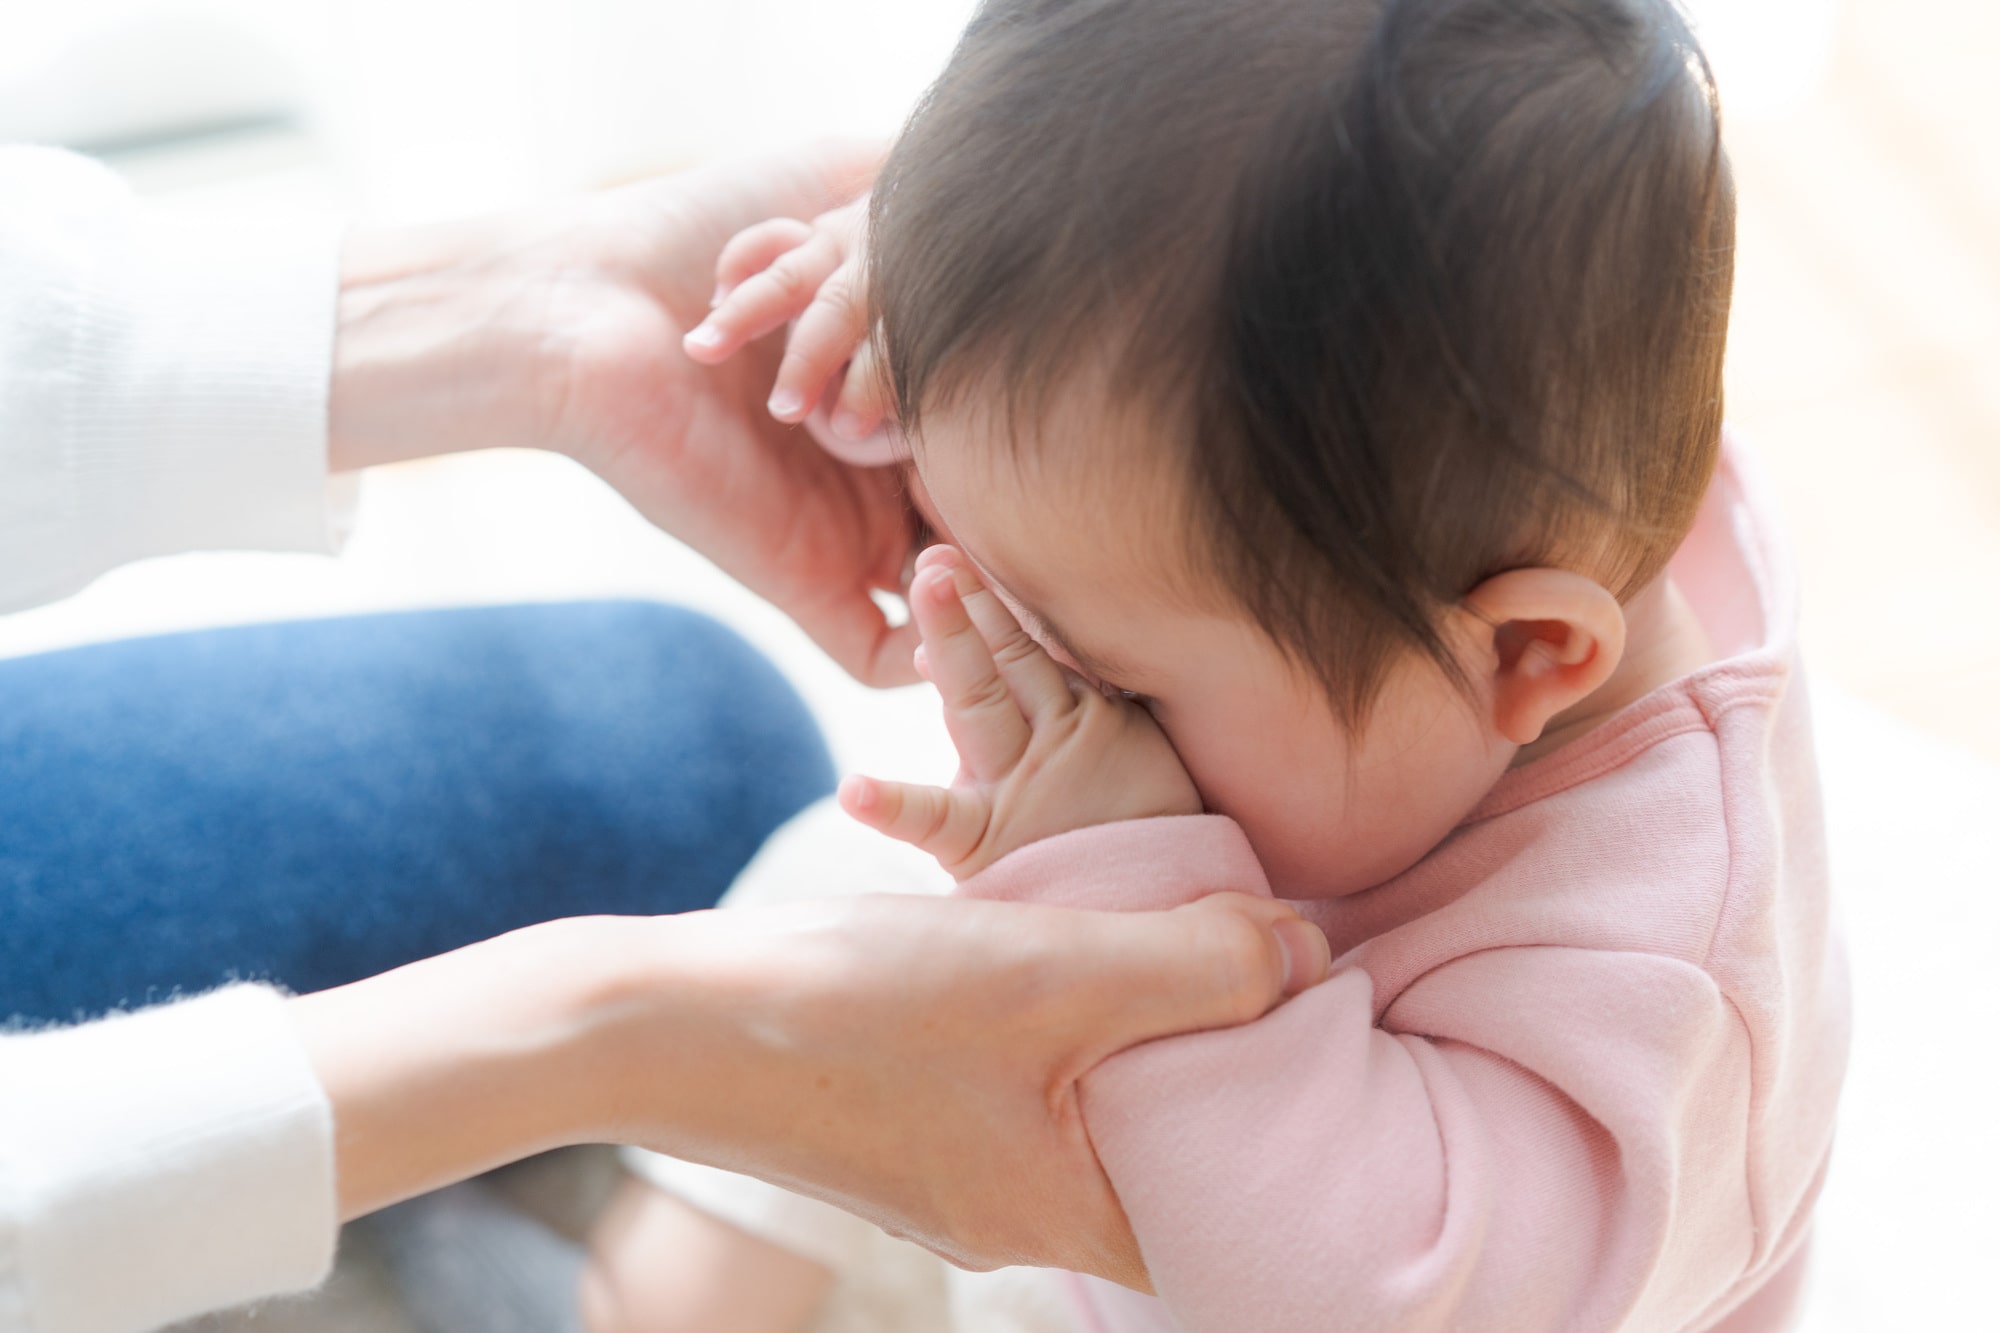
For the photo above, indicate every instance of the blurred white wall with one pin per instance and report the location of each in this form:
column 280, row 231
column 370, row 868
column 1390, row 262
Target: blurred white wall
column 429, row 107
column 1768, row 55
column 440, row 100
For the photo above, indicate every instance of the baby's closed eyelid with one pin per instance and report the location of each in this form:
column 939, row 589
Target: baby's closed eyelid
column 1112, row 691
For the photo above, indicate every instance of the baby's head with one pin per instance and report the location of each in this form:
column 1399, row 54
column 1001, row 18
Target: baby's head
column 1327, row 372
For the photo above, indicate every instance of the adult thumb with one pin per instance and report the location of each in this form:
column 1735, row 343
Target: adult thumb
column 1224, row 960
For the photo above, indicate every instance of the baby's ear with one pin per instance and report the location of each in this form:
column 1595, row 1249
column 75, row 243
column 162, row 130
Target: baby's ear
column 1544, row 639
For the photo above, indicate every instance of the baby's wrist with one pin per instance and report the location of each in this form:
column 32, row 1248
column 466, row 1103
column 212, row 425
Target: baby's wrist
column 986, row 858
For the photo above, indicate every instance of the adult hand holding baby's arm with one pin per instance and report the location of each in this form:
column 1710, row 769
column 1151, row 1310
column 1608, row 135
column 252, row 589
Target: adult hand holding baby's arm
column 1041, row 751
column 914, row 1060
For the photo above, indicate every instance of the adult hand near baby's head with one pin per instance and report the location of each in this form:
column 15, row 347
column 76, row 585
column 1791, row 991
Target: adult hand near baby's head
column 917, row 1061
column 561, row 329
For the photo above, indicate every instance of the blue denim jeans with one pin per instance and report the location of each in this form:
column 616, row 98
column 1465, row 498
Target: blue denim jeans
column 316, row 802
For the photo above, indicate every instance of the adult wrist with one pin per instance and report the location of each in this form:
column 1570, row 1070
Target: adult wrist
column 455, row 1065
column 430, row 356
column 682, row 1038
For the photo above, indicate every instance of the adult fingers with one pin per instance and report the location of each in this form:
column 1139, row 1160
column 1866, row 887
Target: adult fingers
column 979, row 710
column 1224, row 960
column 851, row 629
column 685, row 219
column 886, row 660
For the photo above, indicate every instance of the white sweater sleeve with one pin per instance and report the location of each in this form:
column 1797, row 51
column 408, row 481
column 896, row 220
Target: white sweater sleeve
column 163, row 387
column 157, row 1165
column 163, row 379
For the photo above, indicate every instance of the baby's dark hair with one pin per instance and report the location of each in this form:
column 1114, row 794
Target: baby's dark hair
column 1424, row 290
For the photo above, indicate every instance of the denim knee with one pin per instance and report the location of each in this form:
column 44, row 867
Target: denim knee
column 317, row 801
column 750, row 738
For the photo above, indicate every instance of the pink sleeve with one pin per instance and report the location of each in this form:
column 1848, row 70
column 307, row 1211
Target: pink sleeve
column 1526, row 1138
column 1134, row 866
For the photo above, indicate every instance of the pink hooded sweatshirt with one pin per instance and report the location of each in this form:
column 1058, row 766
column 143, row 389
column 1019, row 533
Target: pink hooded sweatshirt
column 1575, row 1070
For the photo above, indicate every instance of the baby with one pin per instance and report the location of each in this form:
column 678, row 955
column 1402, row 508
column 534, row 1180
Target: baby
column 1320, row 402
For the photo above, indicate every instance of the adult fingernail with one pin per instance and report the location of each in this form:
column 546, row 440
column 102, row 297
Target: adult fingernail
column 704, row 335
column 786, row 404
column 1308, row 956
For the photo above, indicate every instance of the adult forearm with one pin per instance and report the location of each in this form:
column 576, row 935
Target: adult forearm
column 914, row 1060
column 464, row 1062
column 654, row 1030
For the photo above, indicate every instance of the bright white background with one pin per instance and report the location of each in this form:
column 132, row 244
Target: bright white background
column 1864, row 355
column 430, row 106
column 436, row 106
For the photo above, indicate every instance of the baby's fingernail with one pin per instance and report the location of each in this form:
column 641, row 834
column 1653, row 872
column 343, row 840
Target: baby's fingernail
column 849, row 425
column 1307, row 954
column 857, row 793
column 704, row 335
column 936, row 581
column 722, row 290
column 786, row 404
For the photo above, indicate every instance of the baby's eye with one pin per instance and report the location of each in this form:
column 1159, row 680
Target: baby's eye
column 1129, row 696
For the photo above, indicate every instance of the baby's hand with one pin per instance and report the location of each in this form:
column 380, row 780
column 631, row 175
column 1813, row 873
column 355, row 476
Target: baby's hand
column 1041, row 751
column 808, row 274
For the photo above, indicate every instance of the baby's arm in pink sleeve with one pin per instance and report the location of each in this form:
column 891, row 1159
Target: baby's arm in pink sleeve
column 1528, row 1138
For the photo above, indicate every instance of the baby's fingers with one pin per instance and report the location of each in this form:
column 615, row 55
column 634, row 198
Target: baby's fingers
column 947, row 824
column 767, row 299
column 825, row 339
column 985, row 723
column 1040, row 687
column 755, row 249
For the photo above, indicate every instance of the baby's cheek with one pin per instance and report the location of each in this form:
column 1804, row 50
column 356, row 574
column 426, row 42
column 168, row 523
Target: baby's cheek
column 1287, row 791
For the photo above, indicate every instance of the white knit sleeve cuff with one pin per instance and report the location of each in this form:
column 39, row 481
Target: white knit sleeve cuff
column 158, row 1165
column 200, row 422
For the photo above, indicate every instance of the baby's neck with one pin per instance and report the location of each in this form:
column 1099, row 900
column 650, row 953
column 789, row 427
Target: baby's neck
column 1664, row 640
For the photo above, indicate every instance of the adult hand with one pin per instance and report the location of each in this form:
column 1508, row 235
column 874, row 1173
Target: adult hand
column 561, row 329
column 915, row 1060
